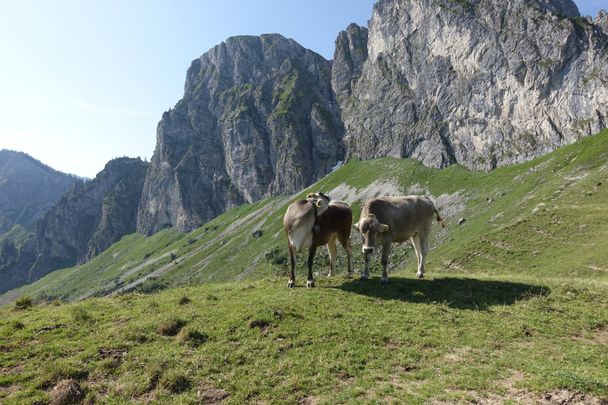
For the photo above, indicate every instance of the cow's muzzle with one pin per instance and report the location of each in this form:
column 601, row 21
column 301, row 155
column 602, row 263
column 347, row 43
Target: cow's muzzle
column 367, row 249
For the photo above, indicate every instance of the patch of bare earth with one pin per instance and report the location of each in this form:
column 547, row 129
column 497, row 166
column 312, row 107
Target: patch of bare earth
column 565, row 397
column 117, row 354
column 510, row 392
column 212, row 395
column 457, row 355
column 309, row 401
column 349, row 194
column 6, row 392
column 596, row 337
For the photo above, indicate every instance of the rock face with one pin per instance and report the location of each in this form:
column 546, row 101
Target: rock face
column 258, row 117
column 601, row 20
column 28, row 189
column 483, row 83
column 87, row 219
column 349, row 57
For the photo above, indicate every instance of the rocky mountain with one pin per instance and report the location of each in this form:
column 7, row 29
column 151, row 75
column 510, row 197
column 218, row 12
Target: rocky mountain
column 85, row 221
column 28, row 188
column 483, row 83
column 258, row 117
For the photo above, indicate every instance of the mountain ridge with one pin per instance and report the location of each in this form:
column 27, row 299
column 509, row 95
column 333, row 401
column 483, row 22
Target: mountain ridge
column 28, row 188
column 86, row 220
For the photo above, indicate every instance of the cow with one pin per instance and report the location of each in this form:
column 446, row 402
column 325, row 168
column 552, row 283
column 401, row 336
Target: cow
column 314, row 222
column 388, row 220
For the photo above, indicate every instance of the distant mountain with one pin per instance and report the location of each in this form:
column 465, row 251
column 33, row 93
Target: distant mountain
column 89, row 217
column 28, row 189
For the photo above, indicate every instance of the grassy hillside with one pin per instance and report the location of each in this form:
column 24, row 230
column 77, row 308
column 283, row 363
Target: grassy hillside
column 447, row 338
column 518, row 219
column 514, row 307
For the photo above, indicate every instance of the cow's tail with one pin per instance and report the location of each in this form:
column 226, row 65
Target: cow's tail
column 439, row 219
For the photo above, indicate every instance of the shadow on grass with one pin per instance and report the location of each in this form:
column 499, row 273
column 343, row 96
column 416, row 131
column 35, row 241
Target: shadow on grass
column 461, row 293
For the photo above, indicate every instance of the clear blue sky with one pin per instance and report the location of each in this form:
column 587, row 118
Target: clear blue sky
column 82, row 82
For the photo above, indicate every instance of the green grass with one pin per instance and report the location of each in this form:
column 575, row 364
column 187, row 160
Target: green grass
column 447, row 338
column 514, row 306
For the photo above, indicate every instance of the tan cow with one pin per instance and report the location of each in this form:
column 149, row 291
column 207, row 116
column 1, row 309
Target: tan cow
column 315, row 222
column 387, row 220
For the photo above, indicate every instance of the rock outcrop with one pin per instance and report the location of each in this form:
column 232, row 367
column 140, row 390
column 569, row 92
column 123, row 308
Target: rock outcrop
column 85, row 221
column 601, row 20
column 258, row 117
column 484, row 83
column 28, row 189
column 349, row 56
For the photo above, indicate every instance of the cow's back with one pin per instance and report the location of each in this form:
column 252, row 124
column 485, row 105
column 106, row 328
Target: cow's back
column 403, row 215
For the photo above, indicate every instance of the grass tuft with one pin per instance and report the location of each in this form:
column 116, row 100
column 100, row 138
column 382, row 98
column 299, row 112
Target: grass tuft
column 61, row 369
column 175, row 382
column 81, row 315
column 184, row 300
column 23, row 302
column 171, row 327
column 192, row 337
column 260, row 323
column 17, row 325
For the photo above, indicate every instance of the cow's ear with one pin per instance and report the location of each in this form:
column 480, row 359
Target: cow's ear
column 310, row 195
column 382, row 228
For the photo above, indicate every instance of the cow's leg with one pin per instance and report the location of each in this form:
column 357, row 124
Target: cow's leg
column 424, row 248
column 365, row 275
column 331, row 249
column 292, row 275
column 311, row 258
column 386, row 251
column 349, row 255
column 419, row 255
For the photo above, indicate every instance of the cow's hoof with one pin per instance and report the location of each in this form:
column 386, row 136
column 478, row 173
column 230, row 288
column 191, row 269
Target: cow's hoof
column 291, row 284
column 420, row 275
column 384, row 281
column 364, row 277
column 310, row 284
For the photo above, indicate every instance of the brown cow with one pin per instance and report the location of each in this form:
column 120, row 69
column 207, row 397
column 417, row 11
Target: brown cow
column 385, row 220
column 315, row 222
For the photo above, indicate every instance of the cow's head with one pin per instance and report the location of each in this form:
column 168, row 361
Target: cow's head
column 370, row 227
column 320, row 200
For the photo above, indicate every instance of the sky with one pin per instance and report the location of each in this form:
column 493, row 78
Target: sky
column 83, row 82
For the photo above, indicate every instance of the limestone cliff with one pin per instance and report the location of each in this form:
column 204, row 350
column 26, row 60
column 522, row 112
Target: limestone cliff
column 483, row 83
